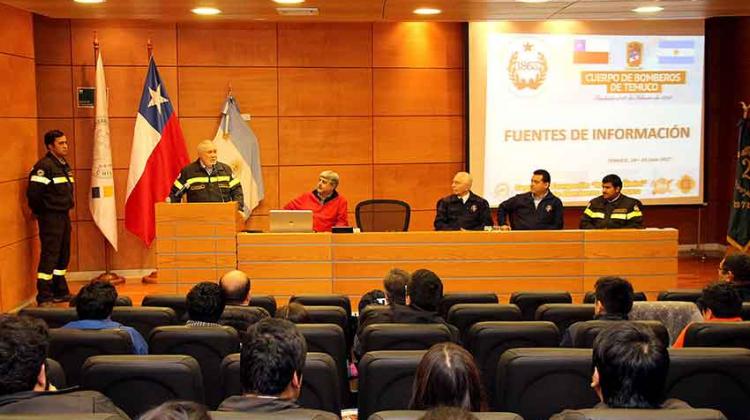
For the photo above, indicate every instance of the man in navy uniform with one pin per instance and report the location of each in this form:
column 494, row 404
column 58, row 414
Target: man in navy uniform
column 462, row 210
column 537, row 209
column 612, row 210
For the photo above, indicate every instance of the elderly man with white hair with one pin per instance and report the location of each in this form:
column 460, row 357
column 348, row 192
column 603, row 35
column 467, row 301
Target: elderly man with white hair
column 328, row 206
column 207, row 180
column 462, row 210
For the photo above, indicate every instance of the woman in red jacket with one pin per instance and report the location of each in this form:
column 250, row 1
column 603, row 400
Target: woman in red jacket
column 328, row 206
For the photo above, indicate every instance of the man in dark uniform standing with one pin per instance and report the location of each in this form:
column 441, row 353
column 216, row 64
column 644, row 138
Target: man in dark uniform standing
column 462, row 210
column 612, row 210
column 207, row 180
column 537, row 209
column 50, row 196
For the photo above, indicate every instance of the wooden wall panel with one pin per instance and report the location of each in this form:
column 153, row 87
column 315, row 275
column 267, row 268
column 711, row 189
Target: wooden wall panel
column 90, row 247
column 418, row 139
column 123, row 42
column 22, row 149
column 51, row 40
column 325, row 45
column 203, row 90
column 17, row 274
column 15, row 216
column 422, row 219
column 356, row 182
column 241, row 44
column 325, row 92
column 14, row 32
column 266, row 129
column 399, row 182
column 325, row 141
column 418, row 92
column 54, row 91
column 418, row 44
column 271, row 191
column 17, row 97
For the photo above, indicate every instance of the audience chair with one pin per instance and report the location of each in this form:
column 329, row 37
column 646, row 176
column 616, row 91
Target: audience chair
column 71, row 348
column 55, row 373
column 144, row 318
column 564, row 315
column 320, row 382
column 403, row 336
column 382, row 216
column 675, row 316
column 717, row 378
column 680, row 295
column 642, row 414
column 76, row 416
column 464, row 315
column 266, row 302
column 718, row 334
column 208, row 345
column 586, row 332
column 537, row 383
column 373, row 308
column 176, row 302
column 292, row 414
column 139, row 383
column 745, row 314
column 417, row 414
column 341, row 301
column 329, row 339
column 385, row 380
column 487, row 341
column 120, row 301
column 241, row 317
column 450, row 299
column 54, row 317
column 527, row 302
column 332, row 315
column 590, row 297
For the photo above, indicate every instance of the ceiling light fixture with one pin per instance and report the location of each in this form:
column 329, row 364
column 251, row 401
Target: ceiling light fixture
column 89, row 1
column 288, row 1
column 648, row 9
column 532, row 1
column 427, row 11
column 206, row 11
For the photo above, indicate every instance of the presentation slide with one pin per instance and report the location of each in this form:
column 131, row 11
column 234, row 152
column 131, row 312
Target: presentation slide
column 583, row 106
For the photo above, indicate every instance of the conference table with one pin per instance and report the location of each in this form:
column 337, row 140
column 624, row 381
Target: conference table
column 284, row 264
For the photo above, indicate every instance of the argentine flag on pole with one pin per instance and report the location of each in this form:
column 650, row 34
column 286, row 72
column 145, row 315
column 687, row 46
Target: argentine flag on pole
column 102, row 195
column 237, row 146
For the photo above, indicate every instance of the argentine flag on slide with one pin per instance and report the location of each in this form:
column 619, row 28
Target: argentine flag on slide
column 676, row 51
column 237, row 146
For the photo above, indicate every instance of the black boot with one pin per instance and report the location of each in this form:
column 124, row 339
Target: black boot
column 60, row 289
column 43, row 292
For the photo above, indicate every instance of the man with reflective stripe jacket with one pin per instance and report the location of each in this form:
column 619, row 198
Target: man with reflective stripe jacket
column 612, row 210
column 207, row 180
column 50, row 196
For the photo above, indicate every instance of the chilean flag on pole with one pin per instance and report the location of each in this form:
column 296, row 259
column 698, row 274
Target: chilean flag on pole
column 156, row 158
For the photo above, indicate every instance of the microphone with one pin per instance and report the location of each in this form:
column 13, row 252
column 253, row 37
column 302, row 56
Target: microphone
column 181, row 191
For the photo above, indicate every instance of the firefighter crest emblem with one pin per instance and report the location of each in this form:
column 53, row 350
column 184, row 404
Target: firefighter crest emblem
column 527, row 67
column 548, row 208
column 473, row 208
column 634, row 54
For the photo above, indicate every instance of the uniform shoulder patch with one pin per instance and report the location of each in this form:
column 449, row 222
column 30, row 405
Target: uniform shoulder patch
column 635, row 208
column 40, row 172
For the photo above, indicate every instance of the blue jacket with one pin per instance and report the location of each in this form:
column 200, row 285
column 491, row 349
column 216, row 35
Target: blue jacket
column 139, row 344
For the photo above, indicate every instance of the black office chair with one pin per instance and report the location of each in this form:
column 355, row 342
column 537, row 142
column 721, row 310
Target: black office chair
column 584, row 333
column 383, row 215
column 266, row 302
column 718, row 334
column 144, row 318
column 71, row 348
column 54, row 317
column 464, row 315
column 55, row 373
column 312, row 299
column 241, row 317
column 450, row 299
column 403, row 336
column 528, row 302
column 417, row 414
column 564, row 315
column 176, row 302
column 590, row 297
column 386, row 379
column 642, row 414
column 329, row 339
column 745, row 314
column 680, row 295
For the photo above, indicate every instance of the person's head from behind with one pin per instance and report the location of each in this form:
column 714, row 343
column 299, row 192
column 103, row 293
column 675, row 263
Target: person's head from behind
column 448, row 413
column 23, row 350
column 205, row 302
column 394, row 284
column 540, row 181
column 294, row 312
column 447, row 376
column 235, row 286
column 177, row 410
column 720, row 300
column 425, row 290
column 611, row 186
column 96, row 300
column 373, row 297
column 614, row 296
column 630, row 366
column 272, row 359
column 735, row 268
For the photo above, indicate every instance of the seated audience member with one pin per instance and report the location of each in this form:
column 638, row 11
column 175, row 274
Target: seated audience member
column 23, row 377
column 328, row 206
column 235, row 287
column 271, row 363
column 375, row 297
column 177, row 410
column 447, row 376
column 614, row 300
column 424, row 293
column 205, row 304
column 94, row 304
column 294, row 312
column 720, row 302
column 448, row 413
column 735, row 269
column 630, row 369
column 394, row 284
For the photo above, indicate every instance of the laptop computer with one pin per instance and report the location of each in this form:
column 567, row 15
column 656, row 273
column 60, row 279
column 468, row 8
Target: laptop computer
column 292, row 221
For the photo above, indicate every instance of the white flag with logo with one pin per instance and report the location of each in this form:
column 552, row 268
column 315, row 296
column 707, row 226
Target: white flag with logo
column 102, row 192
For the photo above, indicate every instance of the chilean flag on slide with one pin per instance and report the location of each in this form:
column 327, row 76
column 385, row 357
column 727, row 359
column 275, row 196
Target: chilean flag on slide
column 157, row 156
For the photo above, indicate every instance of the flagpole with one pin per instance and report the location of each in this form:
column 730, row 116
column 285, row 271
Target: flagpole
column 107, row 276
column 152, row 278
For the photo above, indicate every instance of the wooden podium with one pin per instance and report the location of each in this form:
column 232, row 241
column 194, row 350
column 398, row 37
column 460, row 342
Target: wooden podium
column 195, row 242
